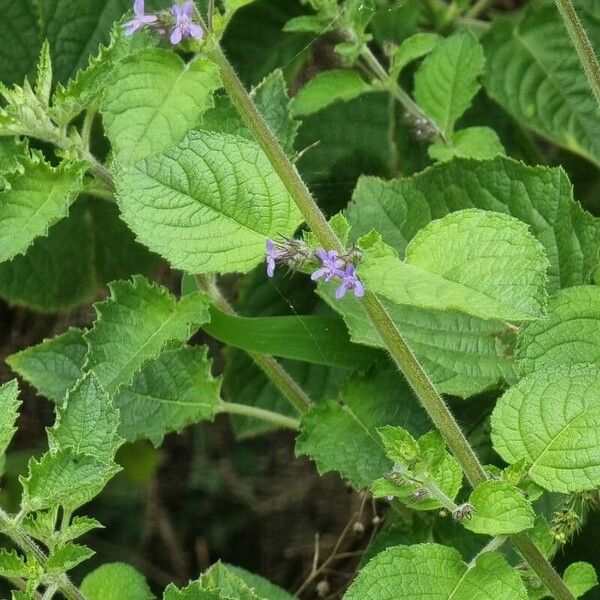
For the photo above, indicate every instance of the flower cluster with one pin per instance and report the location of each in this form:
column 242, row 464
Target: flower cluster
column 295, row 253
column 183, row 26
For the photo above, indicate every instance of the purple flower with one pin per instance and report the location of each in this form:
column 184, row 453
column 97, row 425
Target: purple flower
column 140, row 20
column 273, row 255
column 184, row 27
column 350, row 282
column 332, row 267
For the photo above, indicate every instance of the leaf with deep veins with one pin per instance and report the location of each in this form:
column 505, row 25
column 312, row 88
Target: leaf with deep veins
column 209, row 204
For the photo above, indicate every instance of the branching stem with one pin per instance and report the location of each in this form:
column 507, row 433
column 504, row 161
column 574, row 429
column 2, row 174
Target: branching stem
column 258, row 413
column 398, row 348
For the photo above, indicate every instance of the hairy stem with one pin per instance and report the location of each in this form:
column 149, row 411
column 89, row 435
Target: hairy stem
column 582, row 44
column 280, row 378
column 258, row 413
column 398, row 348
column 27, row 544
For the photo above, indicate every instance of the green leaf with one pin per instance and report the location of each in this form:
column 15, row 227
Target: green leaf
column 446, row 82
column 134, row 325
column 327, row 88
column 462, row 355
column 342, row 435
column 193, row 591
column 20, row 37
column 472, row 142
column 79, row 526
column 116, row 581
column 63, row 478
column 534, row 73
column 153, row 100
column 263, row 588
column 34, row 200
column 12, row 565
column 170, row 392
column 12, row 150
column 76, row 29
column 570, row 334
column 304, row 24
column 412, row 48
column 43, row 83
column 88, row 422
column 271, row 99
column 89, row 84
column 399, row 445
column 434, row 572
column 484, row 264
column 9, row 409
column 67, row 557
column 222, row 220
column 552, row 418
column 313, row 339
column 500, row 509
column 229, row 585
column 580, row 577
column 542, row 197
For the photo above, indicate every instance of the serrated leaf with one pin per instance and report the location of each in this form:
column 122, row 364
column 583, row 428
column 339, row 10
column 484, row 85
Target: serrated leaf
column 481, row 263
column 11, row 564
column 43, row 83
column 67, row 557
column 154, row 99
column 533, row 72
column 20, row 37
column 462, row 355
column 53, row 366
column 88, row 422
column 9, row 407
column 446, row 82
column 172, row 391
column 472, row 142
column 62, row 478
column 11, row 152
column 34, row 200
column 326, row 88
column 500, row 509
column 271, row 99
column 399, row 445
column 552, row 418
column 89, row 83
column 76, row 29
column 229, row 585
column 570, row 334
column 412, row 48
column 77, row 527
column 193, row 591
column 542, row 197
column 134, row 325
column 264, row 589
column 221, row 221
column 434, row 572
column 116, row 581
column 342, row 435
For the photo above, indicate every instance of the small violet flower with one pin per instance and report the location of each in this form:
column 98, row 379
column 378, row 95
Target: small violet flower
column 350, row 282
column 184, row 26
column 273, row 255
column 332, row 267
column 141, row 19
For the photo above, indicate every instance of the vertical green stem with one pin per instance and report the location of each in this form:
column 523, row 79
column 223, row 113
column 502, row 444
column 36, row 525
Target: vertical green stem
column 401, row 353
column 282, row 380
column 582, row 44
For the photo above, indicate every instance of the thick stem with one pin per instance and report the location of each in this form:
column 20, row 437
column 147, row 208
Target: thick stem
column 401, row 353
column 258, row 413
column 280, row 378
column 582, row 44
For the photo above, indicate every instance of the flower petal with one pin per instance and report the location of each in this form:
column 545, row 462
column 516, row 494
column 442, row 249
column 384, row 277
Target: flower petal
column 319, row 273
column 196, row 31
column 359, row 289
column 176, row 35
column 187, row 9
column 131, row 27
column 176, row 10
column 320, row 252
column 149, row 19
column 138, row 7
column 341, row 291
